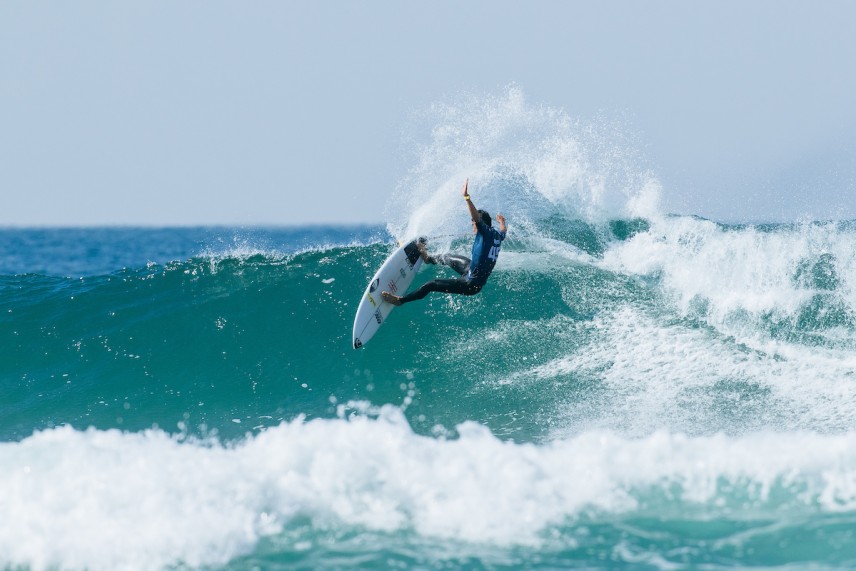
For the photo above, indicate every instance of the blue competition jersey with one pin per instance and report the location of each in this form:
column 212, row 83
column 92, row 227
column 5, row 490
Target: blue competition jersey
column 485, row 252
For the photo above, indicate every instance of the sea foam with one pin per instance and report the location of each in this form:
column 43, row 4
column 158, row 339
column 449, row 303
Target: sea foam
column 115, row 500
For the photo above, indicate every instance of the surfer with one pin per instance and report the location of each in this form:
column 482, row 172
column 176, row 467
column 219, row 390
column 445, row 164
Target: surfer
column 474, row 272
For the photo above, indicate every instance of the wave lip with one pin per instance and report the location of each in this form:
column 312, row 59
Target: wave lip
column 112, row 500
column 766, row 274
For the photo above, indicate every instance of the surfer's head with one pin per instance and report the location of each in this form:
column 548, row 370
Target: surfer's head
column 485, row 217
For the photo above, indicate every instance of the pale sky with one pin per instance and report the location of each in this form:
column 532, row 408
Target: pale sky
column 289, row 113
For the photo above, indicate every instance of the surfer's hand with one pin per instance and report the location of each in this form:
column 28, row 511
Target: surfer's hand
column 464, row 189
column 501, row 219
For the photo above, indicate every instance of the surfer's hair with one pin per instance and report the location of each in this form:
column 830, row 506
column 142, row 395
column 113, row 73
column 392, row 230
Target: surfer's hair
column 485, row 217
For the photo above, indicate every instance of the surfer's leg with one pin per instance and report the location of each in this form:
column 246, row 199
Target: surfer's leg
column 460, row 287
column 460, row 264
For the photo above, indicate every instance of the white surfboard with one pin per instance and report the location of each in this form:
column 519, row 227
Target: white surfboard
column 395, row 276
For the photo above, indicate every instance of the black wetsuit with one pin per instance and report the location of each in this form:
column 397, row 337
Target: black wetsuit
column 474, row 272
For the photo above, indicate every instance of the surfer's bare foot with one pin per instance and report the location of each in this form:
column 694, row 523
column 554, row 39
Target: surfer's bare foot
column 389, row 298
column 423, row 251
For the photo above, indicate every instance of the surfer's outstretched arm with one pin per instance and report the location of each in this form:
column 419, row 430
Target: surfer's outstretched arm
column 501, row 219
column 474, row 213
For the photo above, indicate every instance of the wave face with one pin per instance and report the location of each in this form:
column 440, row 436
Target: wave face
column 631, row 390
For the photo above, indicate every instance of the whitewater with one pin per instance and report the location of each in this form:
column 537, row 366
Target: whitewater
column 633, row 389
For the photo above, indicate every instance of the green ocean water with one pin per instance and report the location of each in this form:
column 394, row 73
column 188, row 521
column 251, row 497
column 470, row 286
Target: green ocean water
column 639, row 394
column 222, row 337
